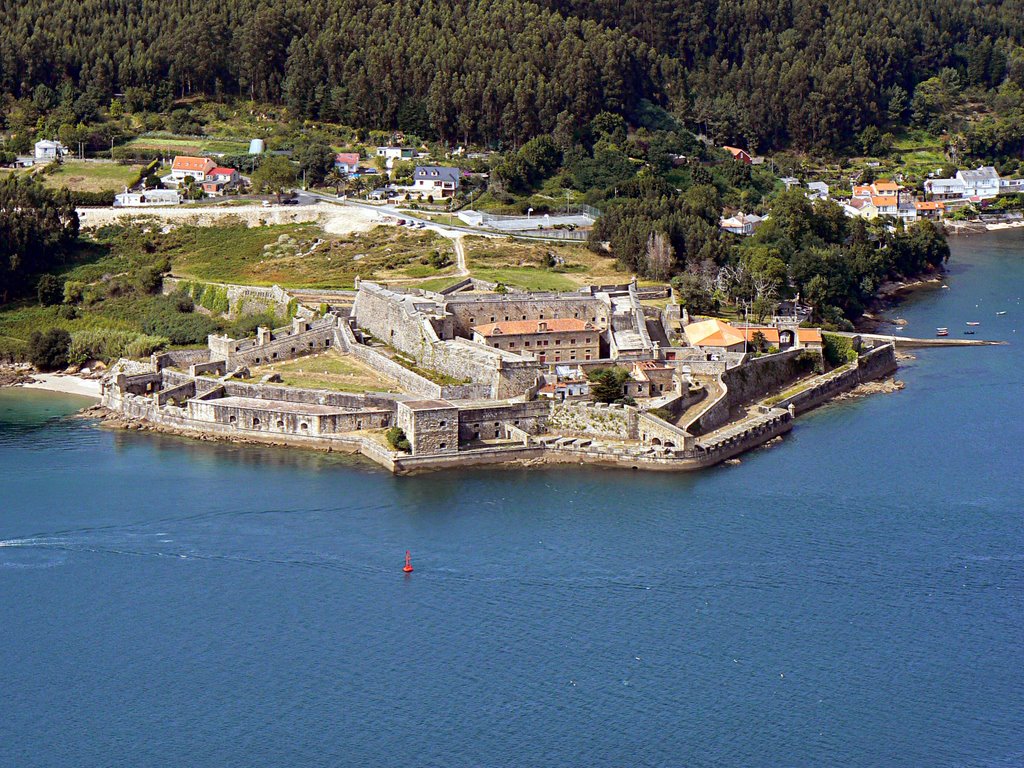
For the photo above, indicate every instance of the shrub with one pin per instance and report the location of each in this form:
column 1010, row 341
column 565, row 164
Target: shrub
column 108, row 345
column 396, row 439
column 48, row 351
column 49, row 290
column 837, row 350
column 73, row 291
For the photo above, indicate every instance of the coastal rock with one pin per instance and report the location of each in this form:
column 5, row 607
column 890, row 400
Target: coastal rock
column 872, row 388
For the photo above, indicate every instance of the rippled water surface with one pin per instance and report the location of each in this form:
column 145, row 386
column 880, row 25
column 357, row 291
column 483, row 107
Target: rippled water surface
column 853, row 596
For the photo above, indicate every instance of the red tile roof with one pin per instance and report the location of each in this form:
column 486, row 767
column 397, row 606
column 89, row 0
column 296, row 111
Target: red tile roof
column 348, row 158
column 219, row 171
column 186, row 163
column 527, row 327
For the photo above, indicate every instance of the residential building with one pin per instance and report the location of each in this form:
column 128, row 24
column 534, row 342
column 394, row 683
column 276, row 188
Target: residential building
column 47, row 150
column 147, row 198
column 554, row 340
column 860, row 207
column 790, row 182
column 741, row 223
column 436, row 180
column 980, row 184
column 817, row 190
column 738, row 154
column 390, row 154
column 930, row 209
column 346, row 162
column 196, row 167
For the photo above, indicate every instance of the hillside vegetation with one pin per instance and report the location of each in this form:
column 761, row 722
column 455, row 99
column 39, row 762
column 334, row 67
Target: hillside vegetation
column 767, row 74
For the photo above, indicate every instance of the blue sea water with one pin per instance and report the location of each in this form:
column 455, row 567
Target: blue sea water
column 853, row 596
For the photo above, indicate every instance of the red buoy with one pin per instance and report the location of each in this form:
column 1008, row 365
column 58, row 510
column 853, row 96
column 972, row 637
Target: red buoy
column 408, row 562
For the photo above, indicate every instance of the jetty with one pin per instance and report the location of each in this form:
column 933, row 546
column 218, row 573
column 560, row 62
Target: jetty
column 910, row 342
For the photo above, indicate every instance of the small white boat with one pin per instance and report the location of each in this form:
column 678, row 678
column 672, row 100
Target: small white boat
column 972, row 324
column 1001, row 313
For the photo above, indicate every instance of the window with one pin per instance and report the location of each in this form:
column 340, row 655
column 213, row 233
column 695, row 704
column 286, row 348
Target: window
column 359, row 424
column 280, row 425
column 442, row 446
column 558, row 342
column 255, row 423
column 526, row 344
column 572, row 356
column 327, row 343
column 293, row 350
column 506, row 318
column 511, row 345
column 588, row 357
column 232, row 419
column 257, row 360
column 303, row 427
column 442, row 423
column 274, row 355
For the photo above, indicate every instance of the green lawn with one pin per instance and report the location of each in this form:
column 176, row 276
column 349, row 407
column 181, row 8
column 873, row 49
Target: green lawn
column 281, row 255
column 186, row 145
column 329, row 370
column 91, row 176
column 528, row 278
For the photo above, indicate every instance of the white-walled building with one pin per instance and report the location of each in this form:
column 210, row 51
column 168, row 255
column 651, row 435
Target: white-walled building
column 436, row 180
column 47, row 150
column 146, row 198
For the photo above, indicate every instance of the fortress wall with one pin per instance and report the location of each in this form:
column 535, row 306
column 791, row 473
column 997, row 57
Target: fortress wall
column 409, row 381
column 875, row 364
column 386, row 318
column 180, row 358
column 469, row 312
column 528, row 417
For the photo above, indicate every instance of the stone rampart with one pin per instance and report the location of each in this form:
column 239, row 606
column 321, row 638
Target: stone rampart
column 409, row 381
column 499, row 419
column 655, row 431
column 302, row 337
column 469, row 311
column 180, row 358
column 244, row 299
column 879, row 362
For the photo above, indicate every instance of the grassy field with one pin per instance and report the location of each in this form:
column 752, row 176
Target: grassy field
column 290, row 256
column 329, row 370
column 525, row 265
column 190, row 145
column 91, row 176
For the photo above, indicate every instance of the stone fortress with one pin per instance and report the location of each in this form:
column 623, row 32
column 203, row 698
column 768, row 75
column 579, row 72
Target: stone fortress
column 487, row 377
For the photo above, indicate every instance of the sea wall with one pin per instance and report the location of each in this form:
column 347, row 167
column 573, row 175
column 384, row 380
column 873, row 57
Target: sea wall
column 875, row 364
column 750, row 381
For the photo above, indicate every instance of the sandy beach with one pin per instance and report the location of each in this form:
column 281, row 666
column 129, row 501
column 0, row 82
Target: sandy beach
column 59, row 382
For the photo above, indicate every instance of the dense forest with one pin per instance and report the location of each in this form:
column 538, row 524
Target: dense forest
column 764, row 74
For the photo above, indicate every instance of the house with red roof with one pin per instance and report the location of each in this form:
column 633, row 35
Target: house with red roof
column 198, row 168
column 346, row 162
column 739, row 154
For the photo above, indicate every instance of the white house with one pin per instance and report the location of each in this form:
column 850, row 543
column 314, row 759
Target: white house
column 982, row 183
column 390, row 154
column 741, row 223
column 47, row 150
column 347, row 162
column 147, row 197
column 817, row 190
column 1009, row 185
column 437, row 180
column 196, row 167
